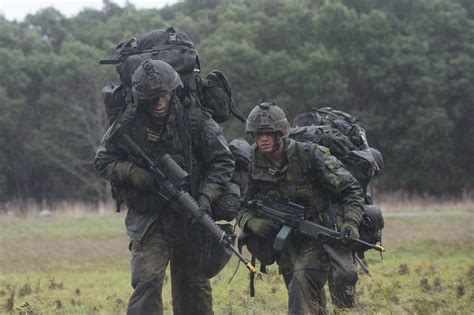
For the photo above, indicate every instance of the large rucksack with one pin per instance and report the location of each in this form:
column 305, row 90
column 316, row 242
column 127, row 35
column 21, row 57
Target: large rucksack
column 226, row 207
column 363, row 164
column 345, row 138
column 213, row 94
column 347, row 124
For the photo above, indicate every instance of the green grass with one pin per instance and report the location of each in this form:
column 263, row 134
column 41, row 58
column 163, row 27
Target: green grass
column 69, row 265
column 426, row 278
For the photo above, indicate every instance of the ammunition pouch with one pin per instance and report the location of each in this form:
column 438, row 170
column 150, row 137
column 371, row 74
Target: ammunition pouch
column 139, row 200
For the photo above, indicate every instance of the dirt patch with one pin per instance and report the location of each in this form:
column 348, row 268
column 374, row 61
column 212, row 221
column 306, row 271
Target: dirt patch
column 58, row 304
column 437, row 285
column 403, row 269
column 24, row 290
column 425, row 285
column 460, row 290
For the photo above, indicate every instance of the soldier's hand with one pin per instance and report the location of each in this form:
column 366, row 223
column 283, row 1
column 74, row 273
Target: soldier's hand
column 349, row 232
column 140, row 178
column 261, row 227
column 204, row 204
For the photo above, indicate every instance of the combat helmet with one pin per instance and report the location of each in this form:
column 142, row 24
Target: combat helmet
column 267, row 116
column 154, row 78
column 371, row 226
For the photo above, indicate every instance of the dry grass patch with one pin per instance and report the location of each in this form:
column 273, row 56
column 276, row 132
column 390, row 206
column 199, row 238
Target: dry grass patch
column 402, row 202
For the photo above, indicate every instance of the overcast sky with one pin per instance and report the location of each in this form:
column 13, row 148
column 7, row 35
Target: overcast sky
column 18, row 9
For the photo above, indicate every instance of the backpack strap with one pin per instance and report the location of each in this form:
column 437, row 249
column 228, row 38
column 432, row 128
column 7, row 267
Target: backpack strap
column 189, row 125
column 318, row 135
column 187, row 147
column 305, row 152
column 195, row 116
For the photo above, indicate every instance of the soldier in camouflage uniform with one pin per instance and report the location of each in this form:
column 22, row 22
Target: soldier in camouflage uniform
column 340, row 144
column 285, row 170
column 160, row 232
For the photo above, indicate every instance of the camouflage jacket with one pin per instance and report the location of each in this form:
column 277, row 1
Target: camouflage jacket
column 211, row 160
column 309, row 176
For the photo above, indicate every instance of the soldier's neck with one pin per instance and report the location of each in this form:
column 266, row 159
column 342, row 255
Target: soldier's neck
column 276, row 156
column 159, row 122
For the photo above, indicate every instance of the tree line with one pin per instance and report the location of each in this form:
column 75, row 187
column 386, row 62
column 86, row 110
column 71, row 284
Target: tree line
column 405, row 68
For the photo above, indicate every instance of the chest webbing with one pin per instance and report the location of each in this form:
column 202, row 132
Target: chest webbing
column 299, row 160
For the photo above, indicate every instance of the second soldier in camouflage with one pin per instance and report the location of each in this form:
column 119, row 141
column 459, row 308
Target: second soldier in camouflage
column 284, row 170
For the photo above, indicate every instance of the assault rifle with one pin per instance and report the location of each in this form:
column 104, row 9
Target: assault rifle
column 291, row 218
column 170, row 177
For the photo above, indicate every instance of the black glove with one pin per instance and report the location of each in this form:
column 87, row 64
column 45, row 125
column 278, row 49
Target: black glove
column 349, row 232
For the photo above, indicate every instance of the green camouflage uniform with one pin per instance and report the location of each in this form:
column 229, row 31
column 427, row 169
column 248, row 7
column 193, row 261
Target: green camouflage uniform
column 160, row 232
column 309, row 176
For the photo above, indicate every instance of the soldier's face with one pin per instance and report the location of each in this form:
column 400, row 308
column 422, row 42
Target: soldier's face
column 159, row 108
column 265, row 141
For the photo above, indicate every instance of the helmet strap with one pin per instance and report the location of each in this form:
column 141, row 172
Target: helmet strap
column 278, row 141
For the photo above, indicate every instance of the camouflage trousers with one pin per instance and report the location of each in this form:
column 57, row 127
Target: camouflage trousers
column 343, row 294
column 305, row 270
column 342, row 284
column 191, row 291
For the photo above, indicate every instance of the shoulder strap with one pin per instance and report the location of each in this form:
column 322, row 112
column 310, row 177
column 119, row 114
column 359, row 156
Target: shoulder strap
column 184, row 136
column 304, row 151
column 195, row 116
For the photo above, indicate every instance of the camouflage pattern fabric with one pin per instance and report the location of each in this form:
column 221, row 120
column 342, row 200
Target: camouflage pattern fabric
column 191, row 290
column 305, row 269
column 309, row 176
column 211, row 159
column 227, row 206
column 159, row 230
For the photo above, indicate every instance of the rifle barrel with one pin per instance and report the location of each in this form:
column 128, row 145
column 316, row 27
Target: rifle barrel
column 316, row 230
column 293, row 216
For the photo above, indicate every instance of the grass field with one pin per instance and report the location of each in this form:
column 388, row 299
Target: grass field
column 77, row 263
